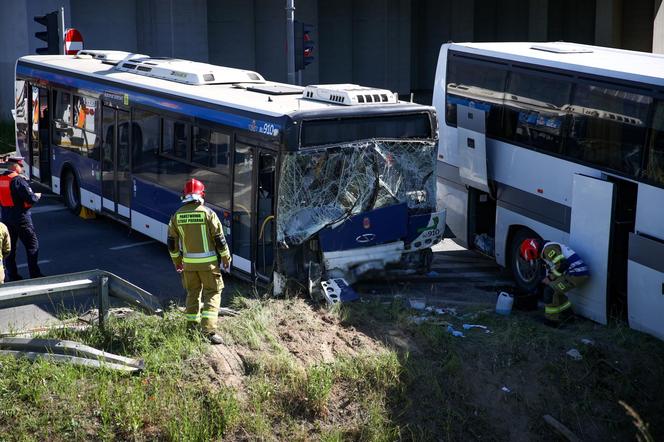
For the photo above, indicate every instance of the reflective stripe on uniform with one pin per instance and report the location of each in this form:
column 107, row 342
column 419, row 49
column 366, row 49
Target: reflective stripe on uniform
column 184, row 247
column 198, row 258
column 554, row 310
column 204, row 238
column 193, row 317
column 558, row 258
column 174, row 254
column 208, row 314
column 556, row 272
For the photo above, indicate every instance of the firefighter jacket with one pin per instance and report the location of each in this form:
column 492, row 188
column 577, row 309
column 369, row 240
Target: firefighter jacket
column 195, row 237
column 561, row 260
column 16, row 198
column 5, row 242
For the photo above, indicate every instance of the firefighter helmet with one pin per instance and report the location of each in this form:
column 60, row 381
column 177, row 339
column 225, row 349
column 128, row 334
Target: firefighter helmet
column 193, row 190
column 530, row 249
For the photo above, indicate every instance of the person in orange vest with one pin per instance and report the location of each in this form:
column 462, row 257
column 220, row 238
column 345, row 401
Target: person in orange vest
column 196, row 242
column 16, row 199
column 5, row 248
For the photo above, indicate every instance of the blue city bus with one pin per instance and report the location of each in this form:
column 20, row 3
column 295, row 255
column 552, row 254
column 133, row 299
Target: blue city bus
column 327, row 184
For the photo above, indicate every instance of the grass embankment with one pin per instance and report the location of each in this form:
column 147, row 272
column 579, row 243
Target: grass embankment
column 7, row 137
column 363, row 372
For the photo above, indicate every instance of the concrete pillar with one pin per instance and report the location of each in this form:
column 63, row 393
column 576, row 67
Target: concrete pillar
column 335, row 41
column 538, row 22
column 172, row 28
column 608, row 23
column 381, row 44
column 106, row 25
column 231, row 33
column 270, row 34
column 658, row 29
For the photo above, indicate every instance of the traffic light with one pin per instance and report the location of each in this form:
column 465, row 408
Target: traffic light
column 304, row 45
column 51, row 35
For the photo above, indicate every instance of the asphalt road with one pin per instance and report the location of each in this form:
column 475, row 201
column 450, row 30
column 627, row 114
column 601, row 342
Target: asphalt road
column 70, row 244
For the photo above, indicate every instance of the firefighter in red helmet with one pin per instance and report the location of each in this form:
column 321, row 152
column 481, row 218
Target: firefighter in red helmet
column 196, row 243
column 565, row 270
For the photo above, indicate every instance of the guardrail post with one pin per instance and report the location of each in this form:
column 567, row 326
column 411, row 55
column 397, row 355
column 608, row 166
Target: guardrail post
column 103, row 300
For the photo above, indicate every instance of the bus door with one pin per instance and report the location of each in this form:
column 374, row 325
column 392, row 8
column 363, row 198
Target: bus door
column 243, row 210
column 40, row 164
column 590, row 237
column 265, row 222
column 471, row 146
column 116, row 185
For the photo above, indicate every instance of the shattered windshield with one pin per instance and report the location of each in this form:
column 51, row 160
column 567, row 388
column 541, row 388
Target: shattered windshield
column 321, row 187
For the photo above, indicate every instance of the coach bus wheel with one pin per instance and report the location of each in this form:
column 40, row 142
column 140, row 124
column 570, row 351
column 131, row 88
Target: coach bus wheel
column 72, row 193
column 526, row 274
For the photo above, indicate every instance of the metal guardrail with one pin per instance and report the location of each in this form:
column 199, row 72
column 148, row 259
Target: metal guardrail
column 100, row 283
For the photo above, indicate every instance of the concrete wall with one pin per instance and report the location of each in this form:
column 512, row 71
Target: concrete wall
column 383, row 43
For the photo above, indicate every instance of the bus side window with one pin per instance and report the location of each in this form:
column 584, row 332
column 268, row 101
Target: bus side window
column 147, row 127
column 476, row 84
column 655, row 167
column 176, row 139
column 608, row 127
column 534, row 110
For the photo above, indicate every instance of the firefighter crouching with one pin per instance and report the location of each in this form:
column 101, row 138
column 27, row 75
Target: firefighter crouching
column 195, row 237
column 565, row 270
column 16, row 199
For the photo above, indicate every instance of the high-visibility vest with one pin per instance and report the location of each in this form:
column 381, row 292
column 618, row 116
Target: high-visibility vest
column 6, row 199
column 554, row 252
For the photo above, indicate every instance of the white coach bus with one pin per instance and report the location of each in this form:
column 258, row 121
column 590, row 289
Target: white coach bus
column 564, row 142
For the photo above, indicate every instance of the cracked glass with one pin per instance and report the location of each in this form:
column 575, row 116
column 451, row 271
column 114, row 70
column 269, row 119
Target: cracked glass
column 323, row 187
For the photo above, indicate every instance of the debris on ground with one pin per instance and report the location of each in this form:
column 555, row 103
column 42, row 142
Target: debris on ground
column 586, row 341
column 455, row 333
column 561, row 429
column 505, row 389
column 469, row 326
column 574, row 354
column 417, row 303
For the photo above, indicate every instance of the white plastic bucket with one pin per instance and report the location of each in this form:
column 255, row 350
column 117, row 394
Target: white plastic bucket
column 504, row 303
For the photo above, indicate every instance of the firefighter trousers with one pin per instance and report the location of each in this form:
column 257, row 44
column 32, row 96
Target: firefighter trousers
column 560, row 306
column 205, row 284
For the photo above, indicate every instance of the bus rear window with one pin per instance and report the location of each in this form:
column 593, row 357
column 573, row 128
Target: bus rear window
column 343, row 130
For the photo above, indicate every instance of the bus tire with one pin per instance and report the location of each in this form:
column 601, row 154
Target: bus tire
column 527, row 276
column 72, row 192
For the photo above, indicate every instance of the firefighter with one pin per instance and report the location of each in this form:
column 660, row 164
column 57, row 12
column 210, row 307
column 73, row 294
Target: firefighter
column 195, row 238
column 16, row 199
column 565, row 270
column 5, row 248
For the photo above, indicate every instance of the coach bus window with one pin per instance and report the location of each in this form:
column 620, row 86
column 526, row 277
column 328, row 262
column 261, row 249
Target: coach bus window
column 475, row 84
column 655, row 166
column 534, row 110
column 145, row 143
column 608, row 127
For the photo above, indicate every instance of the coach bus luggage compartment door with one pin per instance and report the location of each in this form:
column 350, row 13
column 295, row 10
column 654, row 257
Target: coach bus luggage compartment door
column 590, row 237
column 471, row 146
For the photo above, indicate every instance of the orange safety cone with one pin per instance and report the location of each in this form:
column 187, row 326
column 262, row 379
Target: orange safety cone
column 86, row 213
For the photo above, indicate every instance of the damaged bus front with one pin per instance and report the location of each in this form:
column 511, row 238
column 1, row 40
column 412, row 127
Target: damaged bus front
column 356, row 197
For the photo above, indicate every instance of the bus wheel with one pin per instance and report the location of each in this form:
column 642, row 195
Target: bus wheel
column 72, row 192
column 526, row 274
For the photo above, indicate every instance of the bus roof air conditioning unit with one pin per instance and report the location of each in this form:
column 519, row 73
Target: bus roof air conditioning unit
column 187, row 72
column 349, row 94
column 107, row 56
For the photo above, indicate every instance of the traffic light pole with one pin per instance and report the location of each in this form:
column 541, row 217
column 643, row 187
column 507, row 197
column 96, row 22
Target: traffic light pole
column 290, row 39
